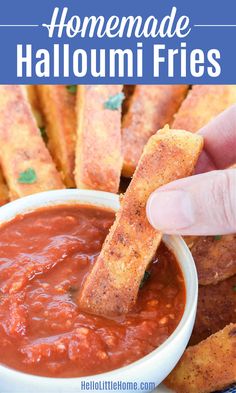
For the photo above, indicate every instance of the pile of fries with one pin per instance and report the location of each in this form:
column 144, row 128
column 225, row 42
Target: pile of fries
column 92, row 137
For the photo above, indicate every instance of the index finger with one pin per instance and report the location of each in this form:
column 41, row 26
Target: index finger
column 219, row 142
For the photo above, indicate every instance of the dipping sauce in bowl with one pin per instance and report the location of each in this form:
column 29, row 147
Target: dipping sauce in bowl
column 44, row 257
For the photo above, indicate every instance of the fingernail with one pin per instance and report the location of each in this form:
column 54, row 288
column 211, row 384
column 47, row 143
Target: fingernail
column 170, row 211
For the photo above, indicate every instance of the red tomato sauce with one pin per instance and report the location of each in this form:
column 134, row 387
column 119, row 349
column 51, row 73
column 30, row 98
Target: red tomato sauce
column 44, row 257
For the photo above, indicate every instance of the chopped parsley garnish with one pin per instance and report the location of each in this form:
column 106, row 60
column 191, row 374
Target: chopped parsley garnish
column 43, row 132
column 28, row 176
column 217, row 237
column 146, row 277
column 114, row 102
column 234, row 288
column 72, row 88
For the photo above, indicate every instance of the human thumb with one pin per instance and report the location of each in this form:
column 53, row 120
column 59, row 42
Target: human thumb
column 203, row 204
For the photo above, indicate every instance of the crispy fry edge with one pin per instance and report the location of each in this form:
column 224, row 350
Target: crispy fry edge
column 112, row 286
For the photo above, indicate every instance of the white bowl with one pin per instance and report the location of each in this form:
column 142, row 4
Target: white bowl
column 151, row 369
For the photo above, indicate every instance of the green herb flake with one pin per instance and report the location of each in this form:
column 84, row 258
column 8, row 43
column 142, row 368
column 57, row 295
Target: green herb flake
column 72, row 88
column 234, row 288
column 28, row 176
column 217, row 237
column 114, row 102
column 146, row 277
column 43, row 132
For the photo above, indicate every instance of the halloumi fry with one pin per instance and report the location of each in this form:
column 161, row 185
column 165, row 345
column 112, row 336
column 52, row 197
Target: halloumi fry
column 32, row 94
column 26, row 163
column 147, row 110
column 202, row 104
column 215, row 258
column 113, row 284
column 4, row 193
column 207, row 366
column 98, row 147
column 216, row 309
column 58, row 107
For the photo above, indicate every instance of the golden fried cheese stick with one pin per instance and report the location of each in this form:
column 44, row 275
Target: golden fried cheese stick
column 113, row 284
column 147, row 110
column 98, row 150
column 215, row 258
column 216, row 308
column 58, row 107
column 26, row 163
column 207, row 366
column 32, row 95
column 4, row 193
column 202, row 104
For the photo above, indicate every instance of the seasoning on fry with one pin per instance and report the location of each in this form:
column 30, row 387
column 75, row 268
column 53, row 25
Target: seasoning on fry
column 58, row 107
column 113, row 284
column 202, row 104
column 24, row 149
column 207, row 366
column 215, row 259
column 147, row 108
column 98, row 146
column 216, row 308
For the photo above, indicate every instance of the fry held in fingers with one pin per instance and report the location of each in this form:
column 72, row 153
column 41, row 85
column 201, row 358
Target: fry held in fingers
column 98, row 146
column 201, row 205
column 26, row 163
column 147, row 109
column 113, row 284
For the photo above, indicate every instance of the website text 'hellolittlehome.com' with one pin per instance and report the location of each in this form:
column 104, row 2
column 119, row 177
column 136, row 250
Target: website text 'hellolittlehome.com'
column 122, row 386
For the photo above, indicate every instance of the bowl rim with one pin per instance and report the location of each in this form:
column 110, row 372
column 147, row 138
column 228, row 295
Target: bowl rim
column 108, row 200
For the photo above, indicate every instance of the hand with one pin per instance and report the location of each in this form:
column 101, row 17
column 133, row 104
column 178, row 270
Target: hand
column 204, row 204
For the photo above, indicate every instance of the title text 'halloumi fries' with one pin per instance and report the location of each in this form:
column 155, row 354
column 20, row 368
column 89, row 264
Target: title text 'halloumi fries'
column 26, row 163
column 113, row 284
column 98, row 148
column 147, row 110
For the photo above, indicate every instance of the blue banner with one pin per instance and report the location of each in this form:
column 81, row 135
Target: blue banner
column 127, row 42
